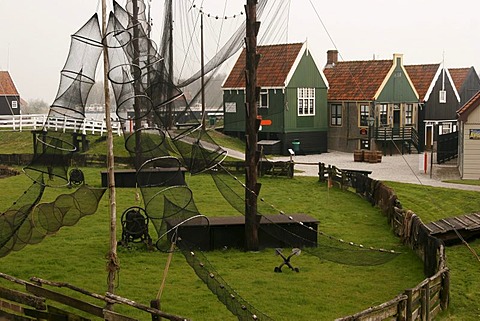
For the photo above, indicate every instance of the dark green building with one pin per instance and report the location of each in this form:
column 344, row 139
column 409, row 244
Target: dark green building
column 292, row 100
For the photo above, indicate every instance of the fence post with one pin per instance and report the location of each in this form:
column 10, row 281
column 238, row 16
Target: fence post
column 409, row 311
column 445, row 290
column 401, row 307
column 321, row 172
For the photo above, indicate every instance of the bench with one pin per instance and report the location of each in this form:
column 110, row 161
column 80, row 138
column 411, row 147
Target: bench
column 186, row 125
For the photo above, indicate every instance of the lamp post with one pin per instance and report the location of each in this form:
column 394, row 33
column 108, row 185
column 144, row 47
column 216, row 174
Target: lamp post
column 371, row 123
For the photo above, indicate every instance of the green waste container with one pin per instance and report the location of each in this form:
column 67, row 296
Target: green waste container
column 212, row 120
column 296, row 145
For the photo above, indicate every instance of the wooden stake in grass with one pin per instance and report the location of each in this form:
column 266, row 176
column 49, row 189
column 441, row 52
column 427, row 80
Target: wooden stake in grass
column 165, row 271
column 112, row 264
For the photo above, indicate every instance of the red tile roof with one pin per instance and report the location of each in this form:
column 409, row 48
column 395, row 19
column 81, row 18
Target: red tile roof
column 459, row 75
column 7, row 87
column 469, row 106
column 422, row 77
column 356, row 80
column 275, row 63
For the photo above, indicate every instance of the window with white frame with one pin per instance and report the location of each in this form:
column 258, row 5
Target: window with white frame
column 14, row 104
column 336, row 114
column 442, row 96
column 263, row 101
column 230, row 107
column 383, row 114
column 306, row 101
column 409, row 114
column 364, row 114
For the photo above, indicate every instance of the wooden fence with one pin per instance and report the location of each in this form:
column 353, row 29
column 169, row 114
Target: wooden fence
column 429, row 297
column 40, row 121
column 36, row 302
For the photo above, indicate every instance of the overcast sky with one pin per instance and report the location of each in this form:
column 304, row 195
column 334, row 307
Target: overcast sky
column 35, row 35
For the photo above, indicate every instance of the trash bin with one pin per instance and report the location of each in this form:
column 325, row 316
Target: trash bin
column 296, row 145
column 212, row 120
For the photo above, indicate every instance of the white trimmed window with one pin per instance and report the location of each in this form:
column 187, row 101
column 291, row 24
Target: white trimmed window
column 230, row 107
column 263, row 101
column 364, row 114
column 306, row 101
column 336, row 115
column 14, row 104
column 408, row 114
column 383, row 114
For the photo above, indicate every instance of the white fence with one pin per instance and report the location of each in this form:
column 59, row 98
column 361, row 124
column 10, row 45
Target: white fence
column 39, row 121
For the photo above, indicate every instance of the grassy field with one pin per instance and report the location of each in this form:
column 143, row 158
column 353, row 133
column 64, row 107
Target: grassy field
column 322, row 290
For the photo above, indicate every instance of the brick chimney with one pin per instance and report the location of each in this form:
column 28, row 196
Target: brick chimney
column 332, row 58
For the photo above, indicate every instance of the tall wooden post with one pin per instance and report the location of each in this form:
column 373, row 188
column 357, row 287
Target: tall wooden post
column 251, row 127
column 202, row 59
column 112, row 263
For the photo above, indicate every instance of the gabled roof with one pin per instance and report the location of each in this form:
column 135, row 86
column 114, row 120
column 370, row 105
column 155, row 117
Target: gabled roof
column 356, row 80
column 276, row 62
column 7, row 87
column 424, row 78
column 459, row 75
column 469, row 106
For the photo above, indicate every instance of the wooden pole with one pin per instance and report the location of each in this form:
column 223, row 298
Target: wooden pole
column 112, row 265
column 251, row 128
column 202, row 59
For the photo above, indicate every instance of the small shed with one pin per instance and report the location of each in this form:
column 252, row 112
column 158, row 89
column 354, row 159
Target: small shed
column 10, row 98
column 469, row 138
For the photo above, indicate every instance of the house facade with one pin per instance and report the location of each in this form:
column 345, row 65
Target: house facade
column 466, row 81
column 9, row 96
column 439, row 102
column 372, row 104
column 469, row 138
column 292, row 100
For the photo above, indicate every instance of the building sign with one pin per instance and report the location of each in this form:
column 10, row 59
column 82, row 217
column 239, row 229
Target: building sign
column 363, row 131
column 474, row 134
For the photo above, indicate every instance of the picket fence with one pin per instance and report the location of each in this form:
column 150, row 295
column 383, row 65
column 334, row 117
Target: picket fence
column 39, row 121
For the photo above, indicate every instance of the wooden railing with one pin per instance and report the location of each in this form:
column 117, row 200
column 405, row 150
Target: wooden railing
column 429, row 297
column 408, row 135
column 39, row 121
column 37, row 302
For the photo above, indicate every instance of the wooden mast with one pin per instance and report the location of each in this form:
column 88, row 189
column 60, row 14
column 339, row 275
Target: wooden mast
column 251, row 128
column 112, row 265
column 202, row 59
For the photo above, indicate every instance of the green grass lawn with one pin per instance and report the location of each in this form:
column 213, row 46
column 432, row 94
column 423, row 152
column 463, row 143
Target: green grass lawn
column 322, row 290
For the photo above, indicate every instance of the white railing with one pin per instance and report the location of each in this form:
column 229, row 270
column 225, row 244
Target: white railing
column 39, row 121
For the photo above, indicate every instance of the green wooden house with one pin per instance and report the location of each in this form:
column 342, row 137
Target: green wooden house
column 372, row 104
column 292, row 100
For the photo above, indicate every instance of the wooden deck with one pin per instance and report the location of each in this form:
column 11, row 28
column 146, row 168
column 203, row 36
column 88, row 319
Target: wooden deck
column 468, row 226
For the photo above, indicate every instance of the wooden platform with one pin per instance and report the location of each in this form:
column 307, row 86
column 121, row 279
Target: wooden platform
column 152, row 176
column 467, row 225
column 229, row 232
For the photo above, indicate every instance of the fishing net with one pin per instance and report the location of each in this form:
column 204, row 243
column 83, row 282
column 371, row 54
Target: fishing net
column 163, row 132
column 29, row 220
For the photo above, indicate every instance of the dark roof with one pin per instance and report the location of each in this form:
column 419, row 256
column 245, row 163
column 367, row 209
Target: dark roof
column 7, row 87
column 275, row 63
column 356, row 80
column 422, row 77
column 469, row 106
column 459, row 75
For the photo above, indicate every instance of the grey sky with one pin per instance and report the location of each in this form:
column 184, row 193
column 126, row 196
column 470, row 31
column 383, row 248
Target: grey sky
column 35, row 35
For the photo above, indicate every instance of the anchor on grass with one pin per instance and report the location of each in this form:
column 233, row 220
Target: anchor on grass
column 286, row 259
